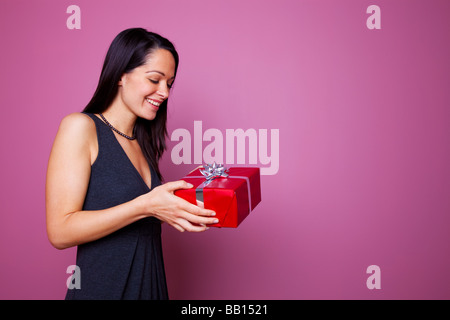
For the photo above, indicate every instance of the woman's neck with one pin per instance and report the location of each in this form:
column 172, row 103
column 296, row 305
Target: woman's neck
column 120, row 117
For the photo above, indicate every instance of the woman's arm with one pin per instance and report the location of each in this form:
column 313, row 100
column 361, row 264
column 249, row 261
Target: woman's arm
column 68, row 174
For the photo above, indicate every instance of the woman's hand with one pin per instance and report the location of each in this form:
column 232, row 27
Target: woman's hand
column 163, row 204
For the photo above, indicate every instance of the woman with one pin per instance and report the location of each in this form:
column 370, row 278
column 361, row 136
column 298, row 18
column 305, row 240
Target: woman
column 103, row 191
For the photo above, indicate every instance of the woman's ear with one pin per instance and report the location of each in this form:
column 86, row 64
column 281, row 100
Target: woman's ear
column 121, row 81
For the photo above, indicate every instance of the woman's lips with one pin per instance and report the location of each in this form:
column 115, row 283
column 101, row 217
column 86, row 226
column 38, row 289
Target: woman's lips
column 155, row 103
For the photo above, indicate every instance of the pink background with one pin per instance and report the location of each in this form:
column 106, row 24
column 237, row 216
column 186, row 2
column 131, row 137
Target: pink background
column 364, row 120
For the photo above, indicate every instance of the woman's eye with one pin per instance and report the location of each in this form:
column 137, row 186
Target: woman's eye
column 169, row 85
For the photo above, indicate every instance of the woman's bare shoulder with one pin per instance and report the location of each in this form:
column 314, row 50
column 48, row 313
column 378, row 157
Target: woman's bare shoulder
column 76, row 130
column 77, row 121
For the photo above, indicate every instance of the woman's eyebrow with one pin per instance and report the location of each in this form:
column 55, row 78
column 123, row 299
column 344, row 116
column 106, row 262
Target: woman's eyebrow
column 161, row 73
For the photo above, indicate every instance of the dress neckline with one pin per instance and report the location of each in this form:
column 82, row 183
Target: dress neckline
column 128, row 158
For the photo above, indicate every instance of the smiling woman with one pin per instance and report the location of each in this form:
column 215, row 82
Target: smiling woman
column 147, row 85
column 104, row 191
column 126, row 78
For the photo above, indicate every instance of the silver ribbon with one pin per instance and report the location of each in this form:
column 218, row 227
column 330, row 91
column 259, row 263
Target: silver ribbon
column 210, row 172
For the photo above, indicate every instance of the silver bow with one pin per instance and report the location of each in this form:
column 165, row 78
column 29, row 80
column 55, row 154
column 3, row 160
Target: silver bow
column 211, row 172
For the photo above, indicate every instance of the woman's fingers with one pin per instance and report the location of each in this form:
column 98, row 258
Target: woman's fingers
column 198, row 209
column 184, row 225
column 181, row 184
column 199, row 215
column 175, row 185
column 200, row 204
column 192, row 218
column 200, row 220
column 178, row 212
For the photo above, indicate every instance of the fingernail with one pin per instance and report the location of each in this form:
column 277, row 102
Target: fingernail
column 216, row 220
column 189, row 185
column 213, row 214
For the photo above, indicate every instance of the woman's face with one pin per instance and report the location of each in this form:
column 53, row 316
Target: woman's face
column 144, row 88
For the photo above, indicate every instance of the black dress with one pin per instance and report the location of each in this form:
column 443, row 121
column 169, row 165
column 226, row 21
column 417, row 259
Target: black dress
column 127, row 264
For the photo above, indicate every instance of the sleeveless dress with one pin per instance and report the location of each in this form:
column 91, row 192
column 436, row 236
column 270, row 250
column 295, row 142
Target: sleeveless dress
column 127, row 264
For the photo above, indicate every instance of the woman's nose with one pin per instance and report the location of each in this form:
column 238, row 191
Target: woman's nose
column 163, row 91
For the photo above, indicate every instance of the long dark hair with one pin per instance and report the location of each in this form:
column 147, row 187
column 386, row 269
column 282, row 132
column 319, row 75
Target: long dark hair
column 129, row 50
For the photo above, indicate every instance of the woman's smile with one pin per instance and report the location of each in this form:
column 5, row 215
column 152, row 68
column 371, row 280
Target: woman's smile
column 154, row 103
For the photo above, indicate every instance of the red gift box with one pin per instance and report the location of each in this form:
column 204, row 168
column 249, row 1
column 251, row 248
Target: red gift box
column 231, row 197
